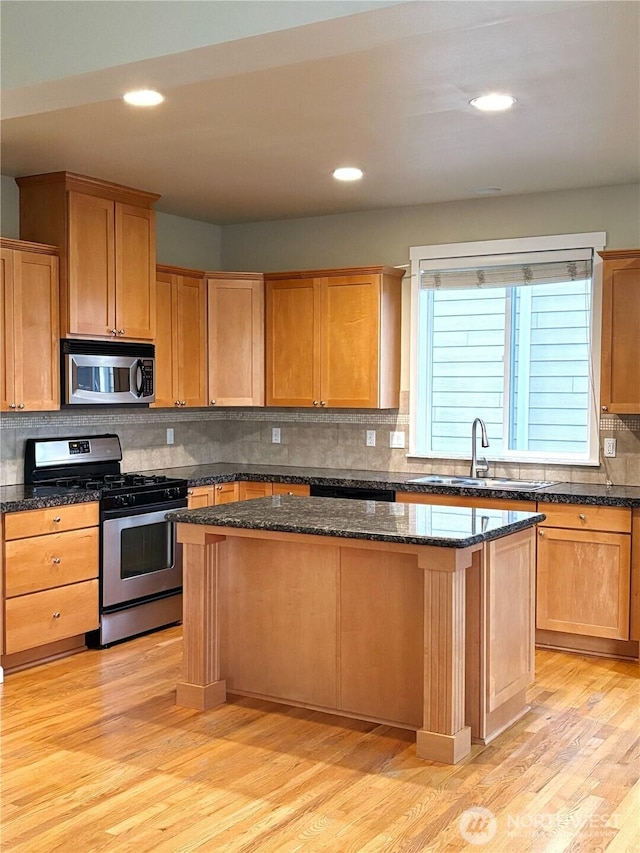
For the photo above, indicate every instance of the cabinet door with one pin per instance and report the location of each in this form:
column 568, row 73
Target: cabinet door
column 200, row 496
column 92, row 282
column 190, row 340
column 583, row 582
column 166, row 361
column 36, row 331
column 225, row 493
column 7, row 371
column 248, row 490
column 135, row 271
column 620, row 378
column 30, row 332
column 293, row 342
column 236, row 341
column 350, row 341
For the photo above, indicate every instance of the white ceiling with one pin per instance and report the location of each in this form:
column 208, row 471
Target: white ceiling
column 255, row 121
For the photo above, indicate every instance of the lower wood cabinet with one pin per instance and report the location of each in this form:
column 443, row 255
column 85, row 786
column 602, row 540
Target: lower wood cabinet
column 243, row 490
column 51, row 559
column 584, row 570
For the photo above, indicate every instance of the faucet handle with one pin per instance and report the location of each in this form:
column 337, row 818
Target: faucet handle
column 482, row 466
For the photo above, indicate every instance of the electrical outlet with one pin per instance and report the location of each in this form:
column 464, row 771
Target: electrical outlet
column 371, row 438
column 396, row 439
column 170, row 435
column 609, row 447
column 275, row 435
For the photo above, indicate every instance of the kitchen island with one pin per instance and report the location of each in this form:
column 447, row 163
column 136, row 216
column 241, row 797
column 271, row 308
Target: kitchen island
column 408, row 615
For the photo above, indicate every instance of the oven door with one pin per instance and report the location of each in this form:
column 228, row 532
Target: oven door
column 140, row 555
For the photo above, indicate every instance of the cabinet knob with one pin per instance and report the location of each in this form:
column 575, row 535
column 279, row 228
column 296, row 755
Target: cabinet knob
column 605, row 408
column 189, row 491
column 57, row 519
column 21, row 405
column 56, row 615
column 121, row 331
column 540, row 532
column 113, row 331
column 213, row 402
column 323, row 402
column 219, row 488
column 582, row 517
column 56, row 561
column 183, row 403
column 12, row 405
column 315, row 402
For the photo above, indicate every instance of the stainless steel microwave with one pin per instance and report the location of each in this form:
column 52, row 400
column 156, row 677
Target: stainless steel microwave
column 105, row 373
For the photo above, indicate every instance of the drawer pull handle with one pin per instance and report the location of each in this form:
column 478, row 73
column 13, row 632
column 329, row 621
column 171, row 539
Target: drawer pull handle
column 57, row 519
column 582, row 517
column 56, row 561
column 56, row 615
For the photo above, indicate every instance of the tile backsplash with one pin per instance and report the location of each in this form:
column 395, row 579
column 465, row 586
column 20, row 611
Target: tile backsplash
column 332, row 439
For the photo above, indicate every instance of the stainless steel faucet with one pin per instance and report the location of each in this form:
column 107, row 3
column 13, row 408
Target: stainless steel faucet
column 482, row 466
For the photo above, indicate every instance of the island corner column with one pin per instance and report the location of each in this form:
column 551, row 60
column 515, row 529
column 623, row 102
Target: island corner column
column 201, row 686
column 444, row 737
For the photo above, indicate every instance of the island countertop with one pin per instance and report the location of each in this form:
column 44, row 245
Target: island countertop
column 404, row 523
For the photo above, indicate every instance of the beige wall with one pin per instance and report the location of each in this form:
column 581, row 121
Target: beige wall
column 384, row 236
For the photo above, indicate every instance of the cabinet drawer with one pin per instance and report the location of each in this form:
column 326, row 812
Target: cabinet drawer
column 43, row 562
column 199, row 496
column 582, row 517
column 53, row 519
column 55, row 614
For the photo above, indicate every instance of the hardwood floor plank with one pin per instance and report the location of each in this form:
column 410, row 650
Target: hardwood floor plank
column 97, row 757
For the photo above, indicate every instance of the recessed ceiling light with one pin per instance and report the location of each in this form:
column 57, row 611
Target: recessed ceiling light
column 143, row 98
column 347, row 173
column 493, row 102
column 488, row 190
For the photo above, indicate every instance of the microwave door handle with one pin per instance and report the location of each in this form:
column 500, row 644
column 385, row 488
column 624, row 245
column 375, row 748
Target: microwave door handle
column 139, row 377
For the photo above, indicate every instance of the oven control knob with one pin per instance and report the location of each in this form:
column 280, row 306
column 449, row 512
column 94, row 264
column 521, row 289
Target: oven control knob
column 172, row 493
column 123, row 500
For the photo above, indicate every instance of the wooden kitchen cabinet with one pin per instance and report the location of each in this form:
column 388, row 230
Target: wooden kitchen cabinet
column 29, row 327
column 106, row 236
column 225, row 493
column 51, row 559
column 181, row 338
column 620, row 366
column 235, row 314
column 333, row 338
column 584, row 570
column 200, row 496
column 465, row 500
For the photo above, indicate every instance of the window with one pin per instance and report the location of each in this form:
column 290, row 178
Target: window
column 507, row 331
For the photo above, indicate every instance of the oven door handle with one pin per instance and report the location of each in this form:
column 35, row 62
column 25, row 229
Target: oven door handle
column 163, row 507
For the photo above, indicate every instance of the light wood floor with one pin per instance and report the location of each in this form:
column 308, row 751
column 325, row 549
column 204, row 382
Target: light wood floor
column 96, row 756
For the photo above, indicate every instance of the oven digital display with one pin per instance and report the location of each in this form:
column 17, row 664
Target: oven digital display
column 78, row 447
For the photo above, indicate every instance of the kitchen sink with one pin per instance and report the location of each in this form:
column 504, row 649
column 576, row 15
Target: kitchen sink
column 483, row 482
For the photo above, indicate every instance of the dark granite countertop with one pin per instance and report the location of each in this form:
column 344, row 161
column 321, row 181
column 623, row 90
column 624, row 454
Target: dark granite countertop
column 13, row 498
column 409, row 524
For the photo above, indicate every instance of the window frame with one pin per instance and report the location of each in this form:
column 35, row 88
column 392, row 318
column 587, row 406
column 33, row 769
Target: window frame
column 595, row 241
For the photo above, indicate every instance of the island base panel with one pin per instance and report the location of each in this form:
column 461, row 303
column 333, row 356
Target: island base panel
column 200, row 696
column 447, row 749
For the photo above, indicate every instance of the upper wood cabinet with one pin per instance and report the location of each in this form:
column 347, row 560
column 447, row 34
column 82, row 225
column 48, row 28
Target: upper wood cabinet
column 29, row 377
column 620, row 370
column 106, row 236
column 235, row 338
column 333, row 338
column 181, row 337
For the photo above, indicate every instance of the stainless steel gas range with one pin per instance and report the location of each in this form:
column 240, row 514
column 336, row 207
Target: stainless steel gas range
column 140, row 560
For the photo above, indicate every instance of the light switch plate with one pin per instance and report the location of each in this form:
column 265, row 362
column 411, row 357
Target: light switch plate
column 396, row 439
